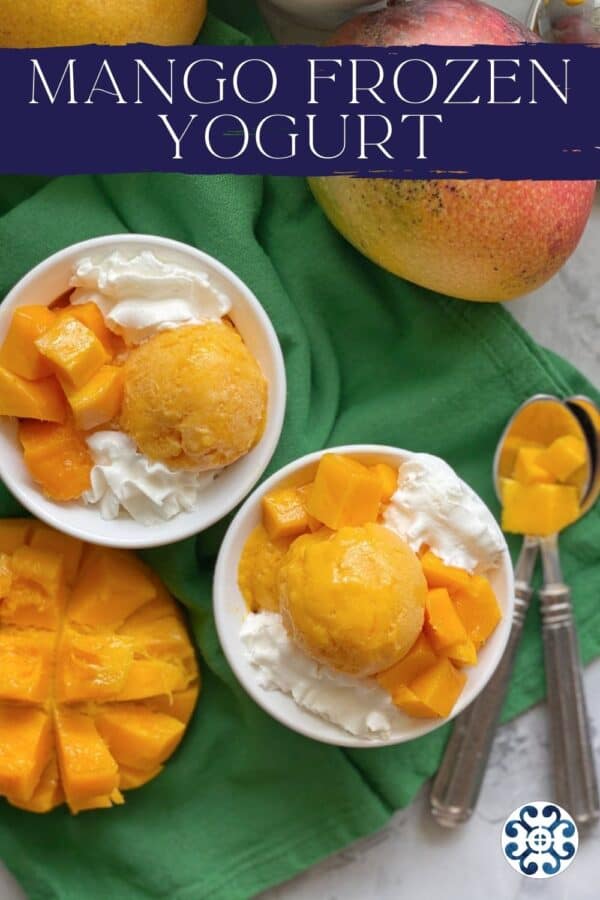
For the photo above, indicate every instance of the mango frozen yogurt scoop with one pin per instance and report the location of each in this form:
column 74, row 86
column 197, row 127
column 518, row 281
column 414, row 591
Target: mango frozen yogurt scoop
column 194, row 397
column 353, row 599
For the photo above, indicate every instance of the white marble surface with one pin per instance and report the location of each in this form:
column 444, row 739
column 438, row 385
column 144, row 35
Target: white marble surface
column 413, row 856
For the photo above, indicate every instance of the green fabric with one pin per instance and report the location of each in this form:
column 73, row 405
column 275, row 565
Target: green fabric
column 246, row 803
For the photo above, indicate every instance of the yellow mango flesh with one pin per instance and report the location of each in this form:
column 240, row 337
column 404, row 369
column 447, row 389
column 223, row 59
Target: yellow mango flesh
column 19, row 353
column 563, row 457
column 67, row 717
column 284, row 513
column 57, row 457
column 258, row 570
column 440, row 575
column 90, row 315
column 14, row 533
column 43, row 400
column 73, row 351
column 443, row 626
column 463, row 653
column 478, row 610
column 99, row 400
column 388, row 478
column 439, row 687
column 528, row 469
column 421, row 656
column 538, row 509
column 344, row 492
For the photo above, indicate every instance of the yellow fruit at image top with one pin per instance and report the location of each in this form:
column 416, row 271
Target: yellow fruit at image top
column 50, row 23
column 98, row 681
column 353, row 599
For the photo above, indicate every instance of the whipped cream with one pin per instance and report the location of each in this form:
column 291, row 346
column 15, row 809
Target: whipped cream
column 358, row 705
column 433, row 506
column 123, row 478
column 142, row 294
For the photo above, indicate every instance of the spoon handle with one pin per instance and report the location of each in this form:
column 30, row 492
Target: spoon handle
column 456, row 787
column 575, row 776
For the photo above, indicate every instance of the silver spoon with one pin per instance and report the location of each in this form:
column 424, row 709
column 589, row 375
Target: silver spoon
column 456, row 787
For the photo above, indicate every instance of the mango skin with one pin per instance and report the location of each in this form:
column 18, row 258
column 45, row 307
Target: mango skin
column 60, row 23
column 475, row 239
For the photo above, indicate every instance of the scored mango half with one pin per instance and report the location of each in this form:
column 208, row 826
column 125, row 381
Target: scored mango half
column 98, row 675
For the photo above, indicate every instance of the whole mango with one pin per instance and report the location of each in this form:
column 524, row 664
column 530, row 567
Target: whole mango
column 485, row 240
column 59, row 23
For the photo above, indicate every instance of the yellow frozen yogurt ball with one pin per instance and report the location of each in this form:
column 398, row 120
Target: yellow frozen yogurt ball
column 194, row 397
column 353, row 599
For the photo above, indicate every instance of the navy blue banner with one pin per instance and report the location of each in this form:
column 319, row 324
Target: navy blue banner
column 529, row 111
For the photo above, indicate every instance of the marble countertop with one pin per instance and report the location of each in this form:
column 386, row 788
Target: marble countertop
column 407, row 858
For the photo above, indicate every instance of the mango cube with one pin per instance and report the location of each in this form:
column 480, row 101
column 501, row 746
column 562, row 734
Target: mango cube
column 563, row 457
column 73, row 350
column 25, row 744
column 87, row 768
column 344, row 492
column 510, row 449
column 43, row 400
column 284, row 513
column 388, row 477
column 99, row 400
column 71, row 549
column 14, row 533
column 93, row 666
column 89, row 314
column 180, row 705
column 153, row 678
column 139, row 737
column 462, row 654
column 538, row 509
column 439, row 575
column 47, row 794
column 421, row 656
column 26, row 663
column 408, row 702
column 19, row 353
column 57, row 457
column 6, row 576
column 478, row 610
column 109, row 588
column 439, row 687
column 527, row 468
column 304, row 491
column 37, row 592
column 443, row 626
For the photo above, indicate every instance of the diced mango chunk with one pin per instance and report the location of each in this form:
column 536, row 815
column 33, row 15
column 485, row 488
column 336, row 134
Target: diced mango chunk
column 139, row 737
column 25, row 746
column 284, row 513
column 99, row 400
column 87, row 767
column 510, row 448
column 90, row 315
column 163, row 639
column 73, row 350
column 57, row 457
column 344, row 492
column 26, row 663
column 563, row 457
column 388, row 478
column 14, row 533
column 439, row 575
column 181, row 704
column 110, row 587
column 443, row 626
column 439, row 687
column 528, row 469
column 259, row 569
column 152, row 678
column 43, row 400
column 19, row 353
column 408, row 702
column 462, row 654
column 304, row 491
column 129, row 779
column 93, row 666
column 37, row 594
column 47, row 794
column 71, row 549
column 421, row 656
column 538, row 509
column 478, row 609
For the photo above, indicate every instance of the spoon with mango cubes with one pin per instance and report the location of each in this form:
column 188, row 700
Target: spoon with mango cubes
column 534, row 428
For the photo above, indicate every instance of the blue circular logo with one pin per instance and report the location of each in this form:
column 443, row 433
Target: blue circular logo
column 540, row 839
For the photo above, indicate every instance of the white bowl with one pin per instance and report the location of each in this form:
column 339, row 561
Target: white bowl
column 44, row 284
column 230, row 612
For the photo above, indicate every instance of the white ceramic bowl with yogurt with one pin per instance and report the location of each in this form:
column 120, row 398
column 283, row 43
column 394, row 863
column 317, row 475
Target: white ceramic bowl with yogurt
column 50, row 279
column 231, row 611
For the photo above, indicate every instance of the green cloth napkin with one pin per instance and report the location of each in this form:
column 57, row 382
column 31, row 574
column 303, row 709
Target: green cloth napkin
column 370, row 358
